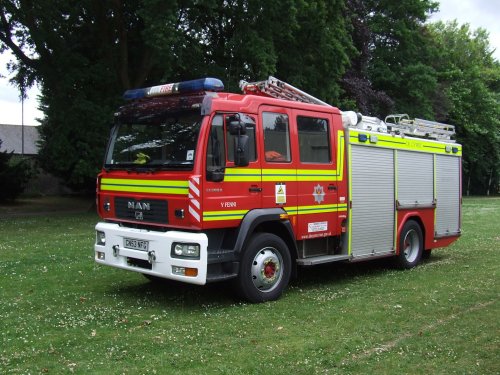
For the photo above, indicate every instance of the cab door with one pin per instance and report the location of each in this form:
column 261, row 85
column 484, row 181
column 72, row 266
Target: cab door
column 279, row 170
column 229, row 191
column 317, row 175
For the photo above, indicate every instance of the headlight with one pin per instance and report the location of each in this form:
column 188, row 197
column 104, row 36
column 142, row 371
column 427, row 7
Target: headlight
column 185, row 250
column 100, row 238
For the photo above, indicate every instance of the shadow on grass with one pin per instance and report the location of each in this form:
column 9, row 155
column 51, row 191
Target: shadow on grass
column 168, row 292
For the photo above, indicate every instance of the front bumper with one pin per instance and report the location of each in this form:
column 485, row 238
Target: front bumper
column 157, row 261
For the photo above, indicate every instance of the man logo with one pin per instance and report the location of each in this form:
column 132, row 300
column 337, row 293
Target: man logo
column 139, row 215
column 142, row 206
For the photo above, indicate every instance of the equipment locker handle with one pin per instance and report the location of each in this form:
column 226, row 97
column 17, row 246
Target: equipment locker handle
column 255, row 189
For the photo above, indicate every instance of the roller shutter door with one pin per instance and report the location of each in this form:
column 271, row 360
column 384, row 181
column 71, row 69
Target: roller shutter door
column 415, row 178
column 447, row 195
column 372, row 187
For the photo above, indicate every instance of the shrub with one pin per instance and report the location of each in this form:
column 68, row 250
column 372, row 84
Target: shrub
column 15, row 173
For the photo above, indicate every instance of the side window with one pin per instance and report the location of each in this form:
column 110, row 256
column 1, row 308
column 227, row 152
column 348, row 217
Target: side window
column 276, row 137
column 314, row 140
column 251, row 144
column 219, row 146
column 216, row 156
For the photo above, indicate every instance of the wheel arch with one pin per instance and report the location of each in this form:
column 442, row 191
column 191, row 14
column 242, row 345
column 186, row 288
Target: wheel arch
column 266, row 220
column 407, row 217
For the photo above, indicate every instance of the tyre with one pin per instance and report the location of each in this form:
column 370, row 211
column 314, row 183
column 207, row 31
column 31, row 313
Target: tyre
column 411, row 245
column 265, row 268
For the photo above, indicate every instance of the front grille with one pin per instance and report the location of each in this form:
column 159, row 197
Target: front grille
column 145, row 210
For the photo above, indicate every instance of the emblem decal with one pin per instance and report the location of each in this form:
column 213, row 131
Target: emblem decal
column 319, row 194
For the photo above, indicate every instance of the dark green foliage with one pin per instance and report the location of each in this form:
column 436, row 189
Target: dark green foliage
column 85, row 56
column 376, row 56
column 15, row 172
column 469, row 80
column 400, row 56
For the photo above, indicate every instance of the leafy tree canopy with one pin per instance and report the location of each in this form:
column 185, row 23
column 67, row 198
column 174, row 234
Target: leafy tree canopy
column 85, row 56
column 377, row 56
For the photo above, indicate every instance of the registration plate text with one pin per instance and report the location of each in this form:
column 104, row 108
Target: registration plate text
column 132, row 243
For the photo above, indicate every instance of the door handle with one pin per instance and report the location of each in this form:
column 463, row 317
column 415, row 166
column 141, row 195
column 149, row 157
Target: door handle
column 332, row 187
column 255, row 189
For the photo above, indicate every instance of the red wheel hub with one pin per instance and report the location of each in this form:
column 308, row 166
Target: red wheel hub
column 269, row 270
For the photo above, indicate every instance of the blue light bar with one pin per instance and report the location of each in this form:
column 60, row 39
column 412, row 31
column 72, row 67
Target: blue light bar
column 196, row 85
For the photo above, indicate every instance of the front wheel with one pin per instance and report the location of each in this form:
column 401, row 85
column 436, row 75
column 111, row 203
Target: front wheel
column 265, row 268
column 411, row 245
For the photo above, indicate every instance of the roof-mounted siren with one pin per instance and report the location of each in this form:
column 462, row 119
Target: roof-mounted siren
column 185, row 87
column 350, row 119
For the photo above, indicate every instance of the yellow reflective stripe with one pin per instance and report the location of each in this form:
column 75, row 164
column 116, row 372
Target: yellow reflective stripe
column 242, row 175
column 340, row 156
column 291, row 210
column 224, row 215
column 317, row 175
column 413, row 144
column 349, row 211
column 145, row 186
column 319, row 208
column 278, row 175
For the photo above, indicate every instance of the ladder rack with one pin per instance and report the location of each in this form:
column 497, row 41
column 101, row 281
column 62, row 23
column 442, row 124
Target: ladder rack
column 280, row 90
column 402, row 124
column 396, row 124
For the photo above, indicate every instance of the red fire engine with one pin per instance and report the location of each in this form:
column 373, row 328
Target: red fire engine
column 200, row 185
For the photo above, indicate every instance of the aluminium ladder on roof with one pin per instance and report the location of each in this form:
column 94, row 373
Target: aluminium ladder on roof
column 396, row 123
column 401, row 123
column 280, row 90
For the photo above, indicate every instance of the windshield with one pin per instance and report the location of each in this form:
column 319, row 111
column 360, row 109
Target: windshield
column 170, row 143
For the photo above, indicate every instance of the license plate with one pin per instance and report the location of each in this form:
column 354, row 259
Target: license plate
column 132, row 243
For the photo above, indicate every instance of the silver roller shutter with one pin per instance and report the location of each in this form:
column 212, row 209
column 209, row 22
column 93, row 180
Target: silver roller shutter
column 447, row 195
column 372, row 214
column 415, row 178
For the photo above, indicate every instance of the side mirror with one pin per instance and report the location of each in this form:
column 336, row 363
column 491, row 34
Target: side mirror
column 236, row 126
column 241, row 151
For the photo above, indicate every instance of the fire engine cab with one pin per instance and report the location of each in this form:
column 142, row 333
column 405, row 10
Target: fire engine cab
column 200, row 185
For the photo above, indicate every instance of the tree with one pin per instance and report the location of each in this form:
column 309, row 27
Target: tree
column 85, row 56
column 359, row 92
column 469, row 78
column 392, row 65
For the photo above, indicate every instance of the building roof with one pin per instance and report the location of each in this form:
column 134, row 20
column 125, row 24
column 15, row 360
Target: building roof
column 12, row 135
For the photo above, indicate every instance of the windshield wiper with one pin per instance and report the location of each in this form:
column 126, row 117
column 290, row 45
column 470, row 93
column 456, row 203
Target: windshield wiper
column 181, row 164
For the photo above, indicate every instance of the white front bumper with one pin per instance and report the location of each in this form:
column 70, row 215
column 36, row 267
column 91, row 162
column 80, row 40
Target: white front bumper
column 162, row 263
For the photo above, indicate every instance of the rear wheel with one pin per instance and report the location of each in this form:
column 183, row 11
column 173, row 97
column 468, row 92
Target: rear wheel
column 411, row 245
column 265, row 268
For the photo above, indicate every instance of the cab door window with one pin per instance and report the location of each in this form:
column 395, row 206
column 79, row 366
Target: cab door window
column 314, row 140
column 276, row 137
column 220, row 147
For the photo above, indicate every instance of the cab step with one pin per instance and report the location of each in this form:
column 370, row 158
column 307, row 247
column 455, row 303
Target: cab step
column 312, row 261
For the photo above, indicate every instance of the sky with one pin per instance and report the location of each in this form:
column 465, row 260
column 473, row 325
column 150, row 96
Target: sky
column 477, row 13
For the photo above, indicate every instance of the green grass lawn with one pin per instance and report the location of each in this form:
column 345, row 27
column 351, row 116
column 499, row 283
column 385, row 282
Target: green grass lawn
column 62, row 313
